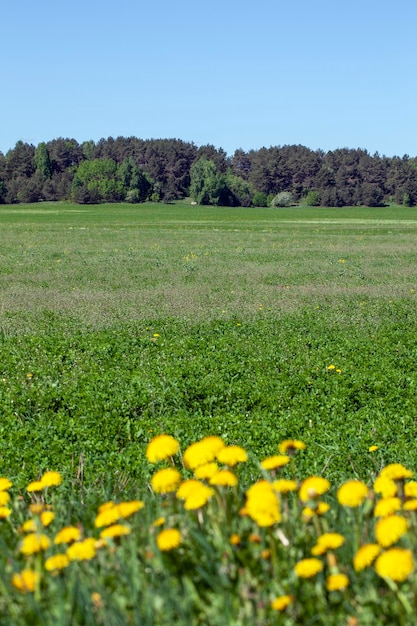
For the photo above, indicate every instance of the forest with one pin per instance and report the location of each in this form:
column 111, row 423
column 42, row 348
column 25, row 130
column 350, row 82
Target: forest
column 129, row 169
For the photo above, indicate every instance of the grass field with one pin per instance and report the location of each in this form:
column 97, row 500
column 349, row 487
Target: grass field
column 121, row 322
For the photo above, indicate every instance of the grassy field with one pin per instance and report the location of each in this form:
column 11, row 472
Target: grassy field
column 121, row 322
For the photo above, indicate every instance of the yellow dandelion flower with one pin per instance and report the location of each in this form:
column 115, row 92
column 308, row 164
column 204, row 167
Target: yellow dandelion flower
column 116, row 530
column 5, row 484
column 33, row 543
column 385, row 487
column 274, row 462
column 410, row 489
column 410, row 505
column 25, row 581
column 224, row 478
column 68, row 534
column 126, row 509
column 106, row 506
column 281, row 603
column 396, row 471
column 36, row 485
column 365, row 556
column 352, row 493
column 396, row 564
column 29, row 526
column 327, row 541
column 5, row 512
column 203, row 451
column 168, row 539
column 47, row 517
column 387, row 506
column 107, row 517
column 284, row 485
column 337, row 582
column 313, row 487
column 307, row 568
column 166, row 480
column 57, row 562
column 262, row 504
column 331, row 367
column 232, row 455
column 198, row 497
column 234, row 540
column 161, row 448
column 160, row 521
column 82, row 550
column 4, row 498
column 187, row 487
column 372, row 448
column 290, row 446
column 36, row 508
column 321, row 508
column 389, row 529
column 51, row 479
column 206, row 471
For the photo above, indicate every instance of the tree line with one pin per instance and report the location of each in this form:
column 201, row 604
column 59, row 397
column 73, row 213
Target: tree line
column 128, row 169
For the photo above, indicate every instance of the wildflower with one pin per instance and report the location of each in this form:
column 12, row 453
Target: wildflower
column 29, row 526
column 36, row 508
column 161, row 448
column 187, row 487
column 97, row 600
column 206, row 471
column 372, row 448
column 5, row 484
column 387, row 506
column 203, row 451
column 107, row 516
column 166, row 480
column 396, row 471
column 262, row 504
column 321, row 508
column 33, row 543
column 234, row 540
column 255, row 538
column 51, row 479
column 160, row 521
column 82, row 550
column 312, row 487
column 232, row 455
column 168, row 539
column 47, row 517
column 389, row 529
column 327, row 541
column 385, row 486
column 126, row 509
column 36, row 485
column 284, row 485
column 331, row 367
column 289, row 446
column 266, row 554
column 352, row 493
column 4, row 498
column 307, row 568
column 198, row 497
column 274, row 462
column 281, row 603
column 337, row 582
column 5, row 512
column 396, row 564
column 57, row 562
column 410, row 505
column 410, row 489
column 224, row 478
column 68, row 534
column 365, row 556
column 116, row 530
column 26, row 580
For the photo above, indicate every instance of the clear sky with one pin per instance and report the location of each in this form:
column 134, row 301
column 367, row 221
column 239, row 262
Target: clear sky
column 237, row 74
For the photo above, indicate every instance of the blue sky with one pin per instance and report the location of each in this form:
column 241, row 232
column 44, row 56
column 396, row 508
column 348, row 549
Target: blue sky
column 324, row 74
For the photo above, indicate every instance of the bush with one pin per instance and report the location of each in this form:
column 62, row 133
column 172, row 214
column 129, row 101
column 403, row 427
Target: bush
column 283, row 198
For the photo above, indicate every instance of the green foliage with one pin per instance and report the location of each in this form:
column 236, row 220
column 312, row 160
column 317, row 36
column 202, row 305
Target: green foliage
column 207, row 185
column 260, row 199
column 312, row 198
column 42, row 160
column 282, row 199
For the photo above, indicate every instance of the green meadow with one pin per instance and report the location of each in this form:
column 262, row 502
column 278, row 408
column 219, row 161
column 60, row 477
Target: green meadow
column 120, row 322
